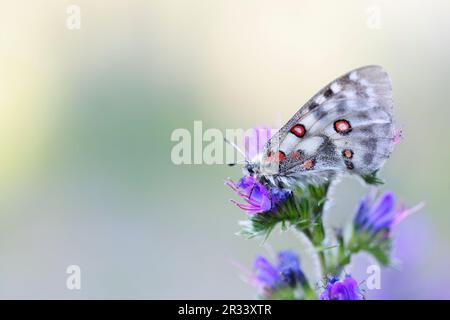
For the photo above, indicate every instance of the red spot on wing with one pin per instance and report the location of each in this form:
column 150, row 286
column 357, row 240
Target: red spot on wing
column 342, row 126
column 347, row 153
column 296, row 155
column 309, row 164
column 298, row 130
column 279, row 155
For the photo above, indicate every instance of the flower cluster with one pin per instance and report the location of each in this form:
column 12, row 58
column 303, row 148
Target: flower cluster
column 302, row 210
column 379, row 216
column 286, row 274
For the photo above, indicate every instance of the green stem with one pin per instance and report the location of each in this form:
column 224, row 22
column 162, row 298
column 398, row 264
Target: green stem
column 345, row 254
column 310, row 294
column 323, row 263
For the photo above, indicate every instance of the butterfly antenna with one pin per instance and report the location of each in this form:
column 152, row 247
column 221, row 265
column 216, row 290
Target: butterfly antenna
column 236, row 163
column 231, row 143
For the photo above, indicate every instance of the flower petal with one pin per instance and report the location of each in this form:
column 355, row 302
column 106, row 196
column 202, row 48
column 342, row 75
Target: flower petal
column 402, row 213
column 266, row 273
column 289, row 267
column 382, row 213
column 346, row 289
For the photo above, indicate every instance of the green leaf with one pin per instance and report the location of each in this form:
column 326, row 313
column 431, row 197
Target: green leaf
column 378, row 245
column 372, row 179
column 284, row 294
column 322, row 248
column 380, row 250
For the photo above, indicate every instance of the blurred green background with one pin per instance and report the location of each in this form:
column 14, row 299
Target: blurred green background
column 86, row 117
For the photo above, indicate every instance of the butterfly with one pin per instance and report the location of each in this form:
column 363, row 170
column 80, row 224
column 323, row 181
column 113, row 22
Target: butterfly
column 346, row 128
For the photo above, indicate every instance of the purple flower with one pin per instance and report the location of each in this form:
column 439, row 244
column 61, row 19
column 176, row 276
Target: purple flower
column 279, row 195
column 258, row 197
column 289, row 268
column 287, row 273
column 381, row 215
column 346, row 289
column 266, row 275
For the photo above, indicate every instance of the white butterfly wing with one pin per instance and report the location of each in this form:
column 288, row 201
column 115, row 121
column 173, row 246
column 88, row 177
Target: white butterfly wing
column 346, row 127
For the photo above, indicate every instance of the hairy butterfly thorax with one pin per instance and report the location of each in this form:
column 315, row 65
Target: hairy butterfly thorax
column 346, row 128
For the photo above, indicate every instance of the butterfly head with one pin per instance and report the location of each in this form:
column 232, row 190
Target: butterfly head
column 258, row 169
column 250, row 169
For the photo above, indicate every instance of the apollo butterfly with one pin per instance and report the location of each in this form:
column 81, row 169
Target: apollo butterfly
column 347, row 127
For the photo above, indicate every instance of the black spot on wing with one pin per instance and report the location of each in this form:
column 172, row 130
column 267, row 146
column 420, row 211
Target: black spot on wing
column 313, row 106
column 366, row 129
column 368, row 158
column 370, row 143
column 319, row 113
column 349, row 165
column 328, row 154
column 346, row 80
column 328, row 93
column 363, row 116
column 341, row 108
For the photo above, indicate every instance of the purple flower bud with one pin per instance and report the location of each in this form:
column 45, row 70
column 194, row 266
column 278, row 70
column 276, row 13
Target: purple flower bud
column 346, row 289
column 266, row 275
column 286, row 273
column 289, row 268
column 382, row 214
